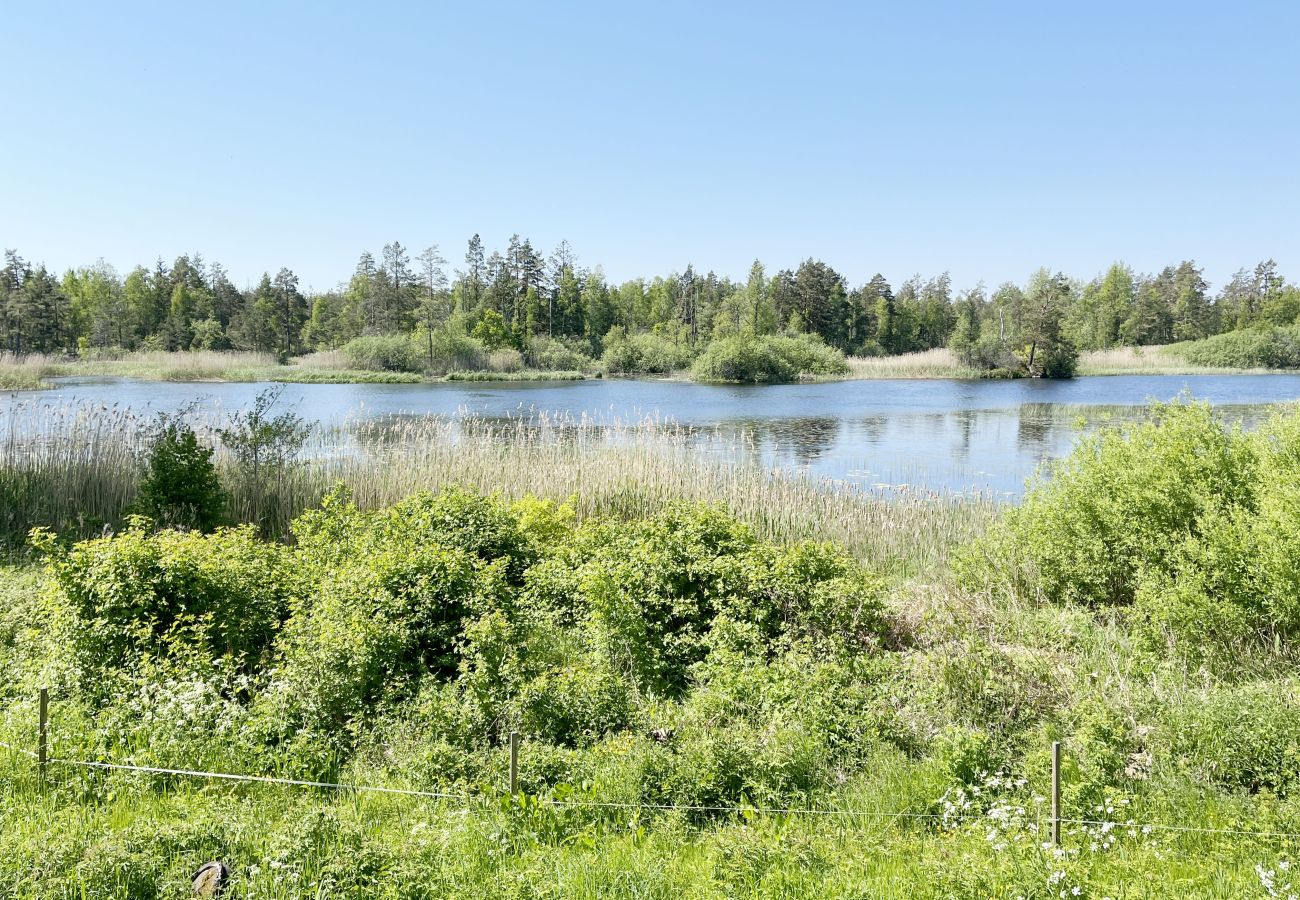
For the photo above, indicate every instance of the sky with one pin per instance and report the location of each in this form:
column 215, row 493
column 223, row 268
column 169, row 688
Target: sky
column 982, row 139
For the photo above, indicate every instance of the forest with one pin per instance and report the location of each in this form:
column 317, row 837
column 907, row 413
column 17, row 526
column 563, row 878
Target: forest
column 402, row 313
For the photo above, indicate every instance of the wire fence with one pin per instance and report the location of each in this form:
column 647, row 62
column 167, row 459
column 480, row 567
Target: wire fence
column 632, row 806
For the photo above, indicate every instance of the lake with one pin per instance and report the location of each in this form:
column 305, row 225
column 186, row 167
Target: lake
column 951, row 435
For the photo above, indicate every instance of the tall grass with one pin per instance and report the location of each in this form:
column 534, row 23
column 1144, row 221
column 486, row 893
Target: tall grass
column 1150, row 360
column 177, row 365
column 75, row 468
column 24, row 372
column 938, row 363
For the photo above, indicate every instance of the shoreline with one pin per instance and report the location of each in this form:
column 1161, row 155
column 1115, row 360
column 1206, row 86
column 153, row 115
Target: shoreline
column 233, row 367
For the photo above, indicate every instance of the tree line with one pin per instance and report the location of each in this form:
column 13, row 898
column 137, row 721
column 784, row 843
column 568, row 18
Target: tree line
column 518, row 295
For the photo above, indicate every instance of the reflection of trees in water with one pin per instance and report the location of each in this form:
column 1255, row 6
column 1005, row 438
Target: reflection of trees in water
column 805, row 438
column 1035, row 429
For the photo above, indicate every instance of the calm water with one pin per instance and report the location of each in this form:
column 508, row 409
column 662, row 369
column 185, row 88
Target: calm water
column 955, row 435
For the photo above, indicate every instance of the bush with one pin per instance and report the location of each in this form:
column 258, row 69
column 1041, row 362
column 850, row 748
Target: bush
column 1118, row 506
column 642, row 354
column 389, row 352
column 769, row 359
column 1251, row 348
column 651, row 593
column 370, row 631
column 556, row 355
column 172, row 593
column 1233, row 584
column 453, row 350
column 1243, row 737
column 180, row 487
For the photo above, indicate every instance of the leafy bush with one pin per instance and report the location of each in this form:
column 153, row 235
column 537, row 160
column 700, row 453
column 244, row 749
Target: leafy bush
column 771, row 358
column 650, row 593
column 450, row 349
column 389, row 352
column 1241, row 737
column 556, row 355
column 1250, row 348
column 172, row 593
column 642, row 354
column 371, row 629
column 181, row 486
column 1118, row 506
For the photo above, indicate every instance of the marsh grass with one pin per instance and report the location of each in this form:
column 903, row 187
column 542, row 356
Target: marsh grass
column 75, row 468
column 25, row 372
column 938, row 363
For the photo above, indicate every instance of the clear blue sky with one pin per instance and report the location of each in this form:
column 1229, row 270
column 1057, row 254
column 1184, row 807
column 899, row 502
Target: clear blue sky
column 985, row 139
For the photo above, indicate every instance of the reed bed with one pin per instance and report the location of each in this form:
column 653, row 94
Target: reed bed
column 75, row 468
column 322, row 359
column 25, row 371
column 938, row 363
column 179, row 365
column 1151, row 360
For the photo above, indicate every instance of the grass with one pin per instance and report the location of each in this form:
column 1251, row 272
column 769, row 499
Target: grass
column 526, row 375
column 75, row 467
column 30, row 372
column 963, row 666
column 25, row 372
column 938, row 363
column 1154, row 360
column 127, row 836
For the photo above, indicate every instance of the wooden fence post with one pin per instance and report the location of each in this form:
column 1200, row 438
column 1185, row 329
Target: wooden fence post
column 514, row 763
column 1056, row 793
column 42, row 732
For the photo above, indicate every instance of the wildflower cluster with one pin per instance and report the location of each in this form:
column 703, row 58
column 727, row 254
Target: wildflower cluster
column 1278, row 880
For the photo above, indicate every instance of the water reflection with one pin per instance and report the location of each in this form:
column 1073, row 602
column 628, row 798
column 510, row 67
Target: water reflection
column 954, row 435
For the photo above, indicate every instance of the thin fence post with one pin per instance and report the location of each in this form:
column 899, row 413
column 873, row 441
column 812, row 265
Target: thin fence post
column 1056, row 793
column 514, row 763
column 42, row 732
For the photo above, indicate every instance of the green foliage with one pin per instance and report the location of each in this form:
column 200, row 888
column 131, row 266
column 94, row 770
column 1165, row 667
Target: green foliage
column 265, row 447
column 491, row 330
column 643, row 354
column 1192, row 523
column 770, row 358
column 180, row 486
column 1117, row 507
column 169, row 594
column 1241, row 737
column 390, row 353
column 555, row 355
column 1252, row 348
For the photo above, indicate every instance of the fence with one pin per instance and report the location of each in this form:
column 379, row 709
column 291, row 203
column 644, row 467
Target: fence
column 1057, row 819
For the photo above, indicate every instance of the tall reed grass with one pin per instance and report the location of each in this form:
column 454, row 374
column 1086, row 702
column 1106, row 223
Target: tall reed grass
column 1150, row 360
column 75, row 468
column 24, row 372
column 938, row 363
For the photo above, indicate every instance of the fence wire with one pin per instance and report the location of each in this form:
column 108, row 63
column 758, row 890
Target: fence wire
column 598, row 804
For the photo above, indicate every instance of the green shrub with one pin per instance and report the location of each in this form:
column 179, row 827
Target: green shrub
column 159, row 594
column 180, row 486
column 388, row 352
column 1242, row 737
column 768, row 733
column 649, row 593
column 1250, row 348
column 555, row 355
column 1233, row 584
column 367, row 636
column 771, row 358
column 1117, row 506
column 642, row 354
